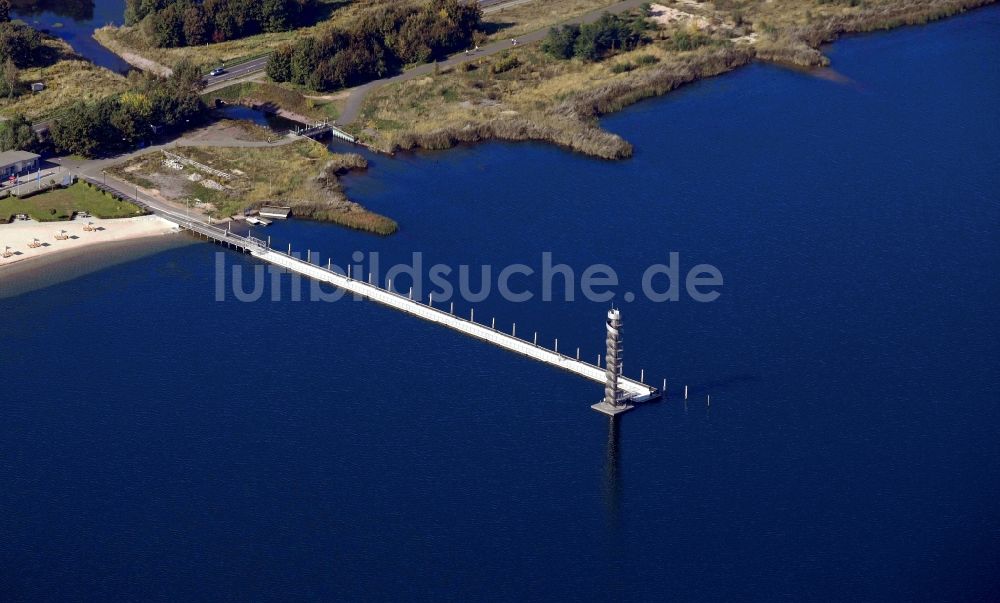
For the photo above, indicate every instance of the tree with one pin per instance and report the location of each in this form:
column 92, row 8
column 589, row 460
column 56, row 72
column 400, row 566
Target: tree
column 16, row 134
column 560, row 41
column 277, row 15
column 279, row 65
column 76, row 130
column 152, row 105
column 4, row 11
column 195, row 26
column 166, row 27
column 20, row 43
column 10, row 79
column 186, row 78
column 303, row 60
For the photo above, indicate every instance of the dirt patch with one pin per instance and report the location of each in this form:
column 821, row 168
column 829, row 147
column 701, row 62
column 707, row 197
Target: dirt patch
column 665, row 16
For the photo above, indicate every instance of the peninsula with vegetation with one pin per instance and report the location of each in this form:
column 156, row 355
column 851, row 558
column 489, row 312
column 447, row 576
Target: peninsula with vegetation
column 385, row 75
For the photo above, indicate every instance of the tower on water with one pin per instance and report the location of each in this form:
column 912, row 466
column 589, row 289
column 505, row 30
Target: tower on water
column 615, row 400
column 613, row 358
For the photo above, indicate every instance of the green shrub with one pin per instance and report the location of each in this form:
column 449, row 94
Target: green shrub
column 594, row 41
column 685, row 39
column 506, row 62
column 622, row 67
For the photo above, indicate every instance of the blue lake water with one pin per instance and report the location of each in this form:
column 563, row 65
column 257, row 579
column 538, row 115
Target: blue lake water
column 272, row 121
column 75, row 22
column 157, row 444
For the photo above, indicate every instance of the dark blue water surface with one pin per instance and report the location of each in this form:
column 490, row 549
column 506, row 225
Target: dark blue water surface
column 75, row 22
column 157, row 444
column 272, row 121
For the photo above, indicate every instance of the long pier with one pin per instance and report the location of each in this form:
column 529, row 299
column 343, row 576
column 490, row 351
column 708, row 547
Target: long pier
column 630, row 390
column 634, row 390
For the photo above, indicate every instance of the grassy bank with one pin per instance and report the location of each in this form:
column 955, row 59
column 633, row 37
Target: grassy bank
column 303, row 175
column 559, row 101
column 540, row 99
column 520, row 19
column 66, row 80
column 274, row 97
column 61, row 203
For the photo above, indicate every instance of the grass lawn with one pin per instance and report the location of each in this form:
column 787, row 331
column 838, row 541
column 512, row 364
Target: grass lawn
column 60, row 203
column 520, row 19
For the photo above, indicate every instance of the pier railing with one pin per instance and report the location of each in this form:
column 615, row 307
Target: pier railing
column 509, row 341
column 634, row 389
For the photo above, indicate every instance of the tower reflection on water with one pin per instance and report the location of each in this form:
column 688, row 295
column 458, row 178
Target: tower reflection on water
column 612, row 480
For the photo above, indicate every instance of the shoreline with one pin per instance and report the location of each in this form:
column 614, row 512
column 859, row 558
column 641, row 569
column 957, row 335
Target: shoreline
column 17, row 235
column 67, row 264
column 572, row 122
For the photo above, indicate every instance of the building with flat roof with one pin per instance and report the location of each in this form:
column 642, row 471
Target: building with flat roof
column 13, row 163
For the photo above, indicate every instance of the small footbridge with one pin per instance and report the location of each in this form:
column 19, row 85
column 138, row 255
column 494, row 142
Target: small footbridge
column 322, row 129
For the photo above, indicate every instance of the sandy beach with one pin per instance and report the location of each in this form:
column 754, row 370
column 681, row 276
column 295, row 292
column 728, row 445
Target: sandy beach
column 16, row 236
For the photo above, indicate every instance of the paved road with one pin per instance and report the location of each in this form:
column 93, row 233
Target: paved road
column 240, row 70
column 359, row 93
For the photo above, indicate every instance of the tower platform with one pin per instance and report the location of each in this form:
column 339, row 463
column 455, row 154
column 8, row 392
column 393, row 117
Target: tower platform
column 610, row 409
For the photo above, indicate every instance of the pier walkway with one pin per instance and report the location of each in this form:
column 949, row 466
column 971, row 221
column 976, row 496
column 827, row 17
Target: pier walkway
column 631, row 390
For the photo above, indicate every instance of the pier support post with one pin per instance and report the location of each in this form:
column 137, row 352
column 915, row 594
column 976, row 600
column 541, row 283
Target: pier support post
column 535, row 340
column 329, row 264
column 642, row 375
column 268, row 241
column 577, row 353
column 289, row 249
column 452, row 310
column 513, row 330
column 685, row 392
column 493, row 325
column 348, row 271
column 664, row 390
column 430, row 298
column 472, row 315
column 411, row 293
